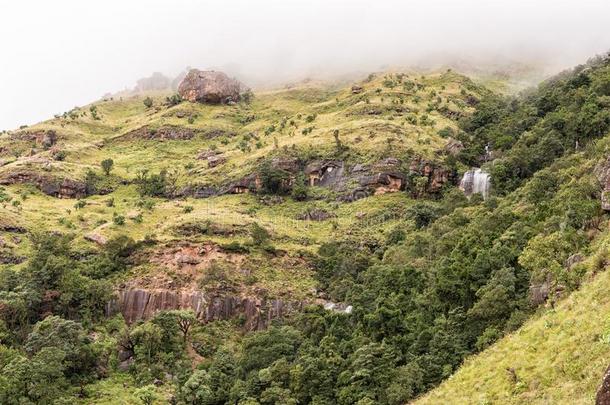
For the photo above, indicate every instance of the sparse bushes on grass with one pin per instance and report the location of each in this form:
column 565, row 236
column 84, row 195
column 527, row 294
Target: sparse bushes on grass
column 148, row 102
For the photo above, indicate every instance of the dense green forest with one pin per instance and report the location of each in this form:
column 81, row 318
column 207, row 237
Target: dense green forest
column 451, row 277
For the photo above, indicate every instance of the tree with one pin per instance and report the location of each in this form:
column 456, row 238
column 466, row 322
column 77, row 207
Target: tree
column 260, row 236
column 107, row 166
column 299, row 189
column 197, row 389
column 147, row 394
column 148, row 102
column 186, row 319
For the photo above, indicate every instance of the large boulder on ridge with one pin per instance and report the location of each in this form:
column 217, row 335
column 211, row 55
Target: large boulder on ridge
column 210, row 86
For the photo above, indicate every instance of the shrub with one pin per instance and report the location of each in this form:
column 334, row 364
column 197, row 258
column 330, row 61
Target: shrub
column 173, row 100
column 260, row 236
column 273, row 180
column 107, row 166
column 148, row 102
column 299, row 189
column 118, row 219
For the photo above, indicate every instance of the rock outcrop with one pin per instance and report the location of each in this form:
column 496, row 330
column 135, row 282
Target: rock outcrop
column 210, row 87
column 602, row 172
column 316, row 215
column 157, row 81
column 437, row 175
column 603, row 392
column 325, row 173
column 43, row 139
column 164, row 133
column 359, row 181
column 137, row 303
column 357, row 89
column 61, row 187
column 453, row 147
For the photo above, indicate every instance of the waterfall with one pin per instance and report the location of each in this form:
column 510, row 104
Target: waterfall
column 475, row 181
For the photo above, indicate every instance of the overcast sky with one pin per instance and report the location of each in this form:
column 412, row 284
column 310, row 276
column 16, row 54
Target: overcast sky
column 57, row 54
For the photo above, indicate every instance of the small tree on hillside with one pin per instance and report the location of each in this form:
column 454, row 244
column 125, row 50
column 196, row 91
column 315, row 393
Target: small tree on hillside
column 107, row 166
column 148, row 102
column 186, row 319
column 260, row 236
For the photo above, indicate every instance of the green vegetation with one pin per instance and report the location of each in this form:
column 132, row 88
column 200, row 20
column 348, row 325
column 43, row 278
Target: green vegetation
column 426, row 279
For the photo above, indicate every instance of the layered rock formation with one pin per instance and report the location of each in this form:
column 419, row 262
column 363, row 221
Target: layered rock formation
column 61, row 187
column 164, row 133
column 352, row 183
column 210, row 87
column 138, row 303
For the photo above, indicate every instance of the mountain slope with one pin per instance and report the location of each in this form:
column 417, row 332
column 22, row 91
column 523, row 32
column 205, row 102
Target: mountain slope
column 557, row 357
column 309, row 246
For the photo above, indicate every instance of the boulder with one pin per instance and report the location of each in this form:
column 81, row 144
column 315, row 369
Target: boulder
column 43, row 139
column 539, row 293
column 357, row 89
column 216, row 160
column 574, row 260
column 96, row 238
column 205, row 154
column 384, row 182
column 453, row 147
column 289, row 164
column 316, row 215
column 602, row 172
column 210, row 87
column 436, row 174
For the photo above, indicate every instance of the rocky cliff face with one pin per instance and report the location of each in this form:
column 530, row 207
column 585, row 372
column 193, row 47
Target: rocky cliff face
column 351, row 182
column 139, row 303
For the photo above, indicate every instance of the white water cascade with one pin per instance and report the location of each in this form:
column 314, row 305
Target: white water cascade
column 476, row 181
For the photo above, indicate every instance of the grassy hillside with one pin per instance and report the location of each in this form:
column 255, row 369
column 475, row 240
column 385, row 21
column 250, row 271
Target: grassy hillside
column 559, row 356
column 309, row 246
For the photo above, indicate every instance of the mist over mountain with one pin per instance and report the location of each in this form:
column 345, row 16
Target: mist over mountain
column 66, row 53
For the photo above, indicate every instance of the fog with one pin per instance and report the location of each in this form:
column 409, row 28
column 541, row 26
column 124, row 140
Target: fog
column 56, row 55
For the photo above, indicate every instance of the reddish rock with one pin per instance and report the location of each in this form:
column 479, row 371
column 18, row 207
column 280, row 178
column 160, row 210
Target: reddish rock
column 210, row 87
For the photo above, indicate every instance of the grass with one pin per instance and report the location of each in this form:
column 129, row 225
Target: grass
column 559, row 356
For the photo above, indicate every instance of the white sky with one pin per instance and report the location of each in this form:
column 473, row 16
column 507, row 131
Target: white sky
column 58, row 54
